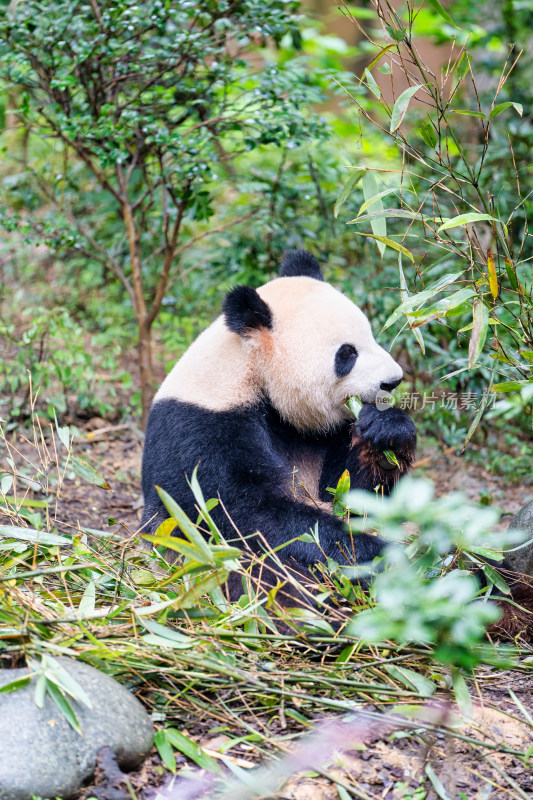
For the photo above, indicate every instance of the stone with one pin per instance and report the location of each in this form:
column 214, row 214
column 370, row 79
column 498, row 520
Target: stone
column 521, row 561
column 41, row 754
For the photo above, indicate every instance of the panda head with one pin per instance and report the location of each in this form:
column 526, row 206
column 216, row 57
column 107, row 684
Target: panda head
column 310, row 348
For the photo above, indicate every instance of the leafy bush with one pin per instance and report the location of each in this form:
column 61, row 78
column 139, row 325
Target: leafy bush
column 461, row 244
column 54, row 357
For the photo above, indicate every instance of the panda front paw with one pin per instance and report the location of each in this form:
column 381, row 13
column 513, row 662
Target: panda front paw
column 390, row 429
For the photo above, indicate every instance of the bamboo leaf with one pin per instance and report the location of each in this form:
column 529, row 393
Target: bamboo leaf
column 35, row 537
column 504, row 106
column 494, row 577
column 88, row 473
column 461, row 69
column 370, row 192
column 462, row 695
column 480, row 325
column 390, row 243
column 192, row 751
column 401, row 105
column 405, row 296
column 371, row 83
column 442, row 307
column 368, row 203
column 442, row 11
column 88, row 600
column 412, row 679
column 385, row 213
column 467, row 113
column 466, row 219
column 164, row 748
column 63, row 704
column 427, row 132
column 493, row 277
column 440, row 791
column 511, row 273
column 509, row 386
column 185, row 524
column 416, row 300
column 347, row 189
column 380, row 55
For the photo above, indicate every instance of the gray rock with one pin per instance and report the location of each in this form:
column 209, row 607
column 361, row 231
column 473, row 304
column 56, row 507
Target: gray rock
column 41, row 754
column 521, row 561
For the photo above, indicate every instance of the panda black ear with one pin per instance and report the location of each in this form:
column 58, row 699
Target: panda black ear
column 245, row 311
column 300, row 263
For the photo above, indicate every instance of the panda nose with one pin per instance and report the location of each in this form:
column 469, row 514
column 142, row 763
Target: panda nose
column 388, row 387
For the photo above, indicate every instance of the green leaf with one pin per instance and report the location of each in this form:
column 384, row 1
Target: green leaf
column 371, row 83
column 511, row 273
column 442, row 11
column 370, row 192
column 345, row 654
column 185, row 524
column 391, row 457
column 347, row 189
column 466, row 219
column 192, row 751
column 462, row 695
column 63, row 704
column 164, row 748
column 480, row 326
column 427, row 132
column 386, row 213
column 401, row 105
column 405, row 296
column 88, row 473
column 390, row 243
column 440, row 791
column 467, row 113
column 486, row 553
column 420, row 298
column 494, row 577
column 380, row 55
column 461, row 69
column 12, row 686
column 397, row 35
column 342, row 793
column 509, row 386
column 36, row 537
column 355, row 404
column 411, row 679
column 63, row 433
column 87, row 602
column 442, row 307
column 375, row 198
column 504, row 106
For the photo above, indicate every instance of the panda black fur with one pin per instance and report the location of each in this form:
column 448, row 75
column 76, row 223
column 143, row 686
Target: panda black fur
column 258, row 403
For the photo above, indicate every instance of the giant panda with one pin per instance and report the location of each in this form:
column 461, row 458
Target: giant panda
column 258, row 403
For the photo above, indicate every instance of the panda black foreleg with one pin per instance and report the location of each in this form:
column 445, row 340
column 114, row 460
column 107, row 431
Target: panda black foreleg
column 282, row 520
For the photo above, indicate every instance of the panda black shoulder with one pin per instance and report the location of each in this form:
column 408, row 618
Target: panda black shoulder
column 300, row 263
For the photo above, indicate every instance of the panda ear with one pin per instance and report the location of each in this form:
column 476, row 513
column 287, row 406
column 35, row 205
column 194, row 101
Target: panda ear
column 245, row 311
column 300, row 263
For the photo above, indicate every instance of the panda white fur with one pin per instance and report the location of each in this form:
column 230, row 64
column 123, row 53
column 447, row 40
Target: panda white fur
column 258, row 403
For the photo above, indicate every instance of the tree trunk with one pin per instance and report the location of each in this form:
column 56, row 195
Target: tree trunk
column 145, row 368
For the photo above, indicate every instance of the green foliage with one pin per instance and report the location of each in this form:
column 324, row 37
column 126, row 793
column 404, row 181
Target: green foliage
column 54, row 356
column 427, row 593
column 461, row 201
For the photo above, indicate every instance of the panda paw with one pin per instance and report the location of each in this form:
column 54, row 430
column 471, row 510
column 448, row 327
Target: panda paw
column 390, row 429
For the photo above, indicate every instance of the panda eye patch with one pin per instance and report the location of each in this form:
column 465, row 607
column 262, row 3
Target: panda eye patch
column 345, row 358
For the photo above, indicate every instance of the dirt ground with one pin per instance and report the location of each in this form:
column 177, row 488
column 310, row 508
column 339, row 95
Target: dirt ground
column 392, row 764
